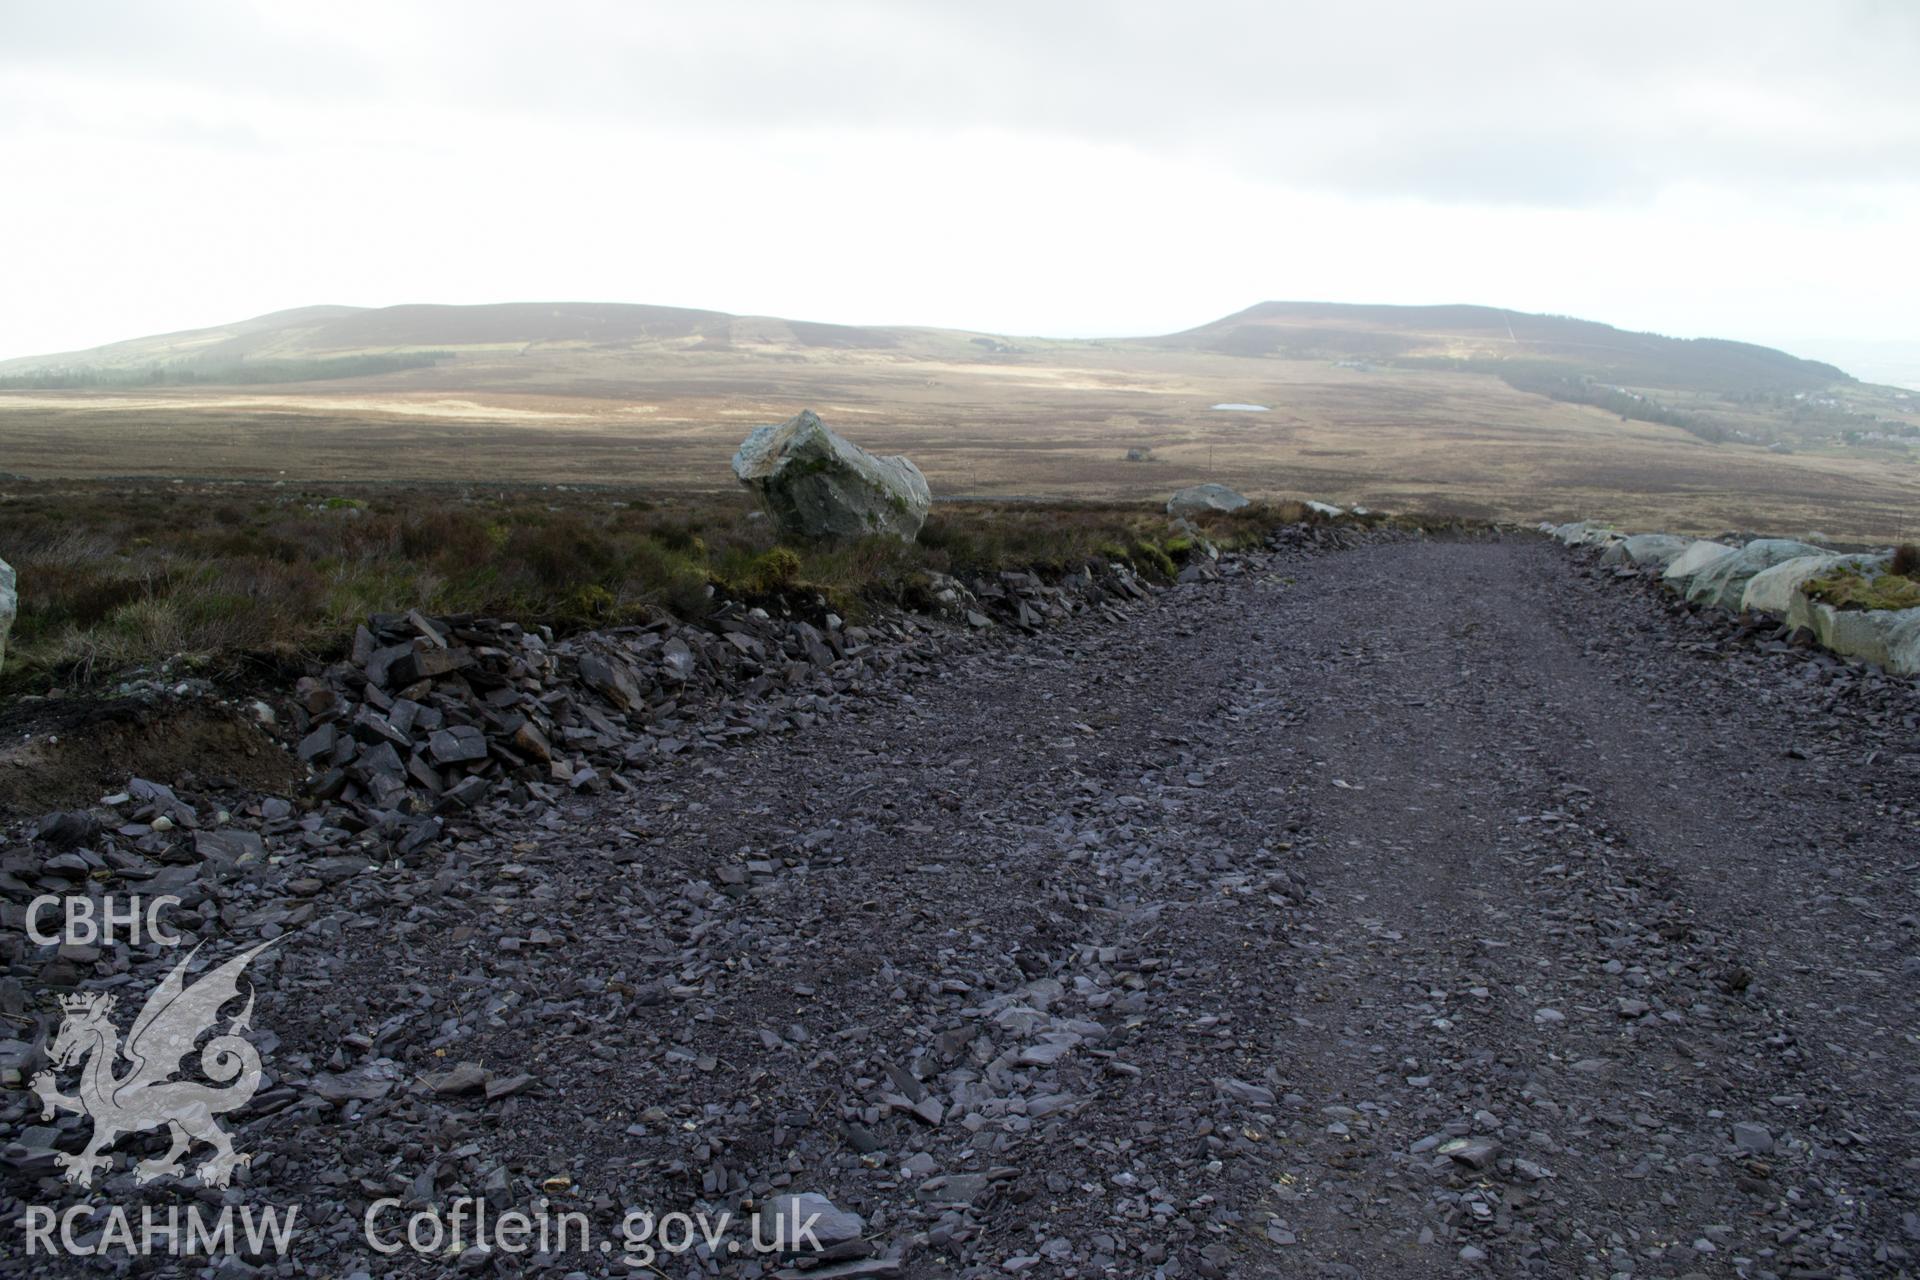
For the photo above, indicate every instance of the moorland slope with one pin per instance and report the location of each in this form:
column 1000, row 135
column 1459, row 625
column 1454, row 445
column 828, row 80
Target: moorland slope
column 1475, row 411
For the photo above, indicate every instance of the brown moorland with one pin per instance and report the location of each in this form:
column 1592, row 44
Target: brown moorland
column 1457, row 410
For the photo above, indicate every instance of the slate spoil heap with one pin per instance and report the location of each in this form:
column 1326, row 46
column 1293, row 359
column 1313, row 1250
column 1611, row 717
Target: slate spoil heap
column 432, row 716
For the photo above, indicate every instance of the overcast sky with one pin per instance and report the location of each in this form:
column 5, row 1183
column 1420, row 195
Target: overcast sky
column 1746, row 169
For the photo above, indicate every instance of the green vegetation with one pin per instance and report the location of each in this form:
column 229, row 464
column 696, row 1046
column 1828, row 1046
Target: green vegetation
column 230, row 576
column 1628, row 404
column 1851, row 589
column 1570, row 386
column 190, row 373
column 1152, row 558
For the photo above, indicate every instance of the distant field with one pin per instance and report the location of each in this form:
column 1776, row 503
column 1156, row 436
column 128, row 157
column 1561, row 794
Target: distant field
column 1032, row 418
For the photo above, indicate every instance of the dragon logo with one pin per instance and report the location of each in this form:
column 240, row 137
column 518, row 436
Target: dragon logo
column 146, row 1096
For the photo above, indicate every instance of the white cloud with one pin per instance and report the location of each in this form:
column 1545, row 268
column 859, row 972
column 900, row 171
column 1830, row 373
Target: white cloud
column 1063, row 169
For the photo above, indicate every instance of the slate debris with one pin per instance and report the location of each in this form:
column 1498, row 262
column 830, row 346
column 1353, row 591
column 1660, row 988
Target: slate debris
column 436, row 714
column 1057, row 953
column 453, row 760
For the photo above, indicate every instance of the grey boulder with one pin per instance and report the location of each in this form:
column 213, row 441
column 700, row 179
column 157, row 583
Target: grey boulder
column 1773, row 590
column 815, row 485
column 1204, row 497
column 1696, row 557
column 808, row 1222
column 9, row 605
column 1660, row 549
column 1584, row 533
column 1887, row 637
column 1724, row 582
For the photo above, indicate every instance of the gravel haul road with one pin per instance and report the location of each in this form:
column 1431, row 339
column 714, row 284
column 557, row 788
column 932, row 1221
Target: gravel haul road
column 1432, row 907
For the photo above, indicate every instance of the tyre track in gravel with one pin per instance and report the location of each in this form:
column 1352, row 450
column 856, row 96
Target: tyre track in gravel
column 1427, row 908
column 1127, row 799
column 1034, row 825
column 1563, row 967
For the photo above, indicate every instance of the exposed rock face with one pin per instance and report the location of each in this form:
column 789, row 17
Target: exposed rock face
column 9, row 604
column 816, row 485
column 1204, row 497
column 1773, row 590
column 1724, row 582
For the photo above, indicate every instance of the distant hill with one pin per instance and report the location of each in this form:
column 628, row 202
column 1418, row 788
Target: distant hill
column 340, row 342
column 558, row 343
column 1467, row 410
column 312, row 332
column 224, row 343
column 1496, row 340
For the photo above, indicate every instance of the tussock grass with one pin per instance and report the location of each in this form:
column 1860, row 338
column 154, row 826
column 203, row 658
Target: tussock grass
column 222, row 577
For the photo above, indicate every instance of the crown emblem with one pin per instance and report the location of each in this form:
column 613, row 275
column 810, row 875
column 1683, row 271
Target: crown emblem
column 86, row 1002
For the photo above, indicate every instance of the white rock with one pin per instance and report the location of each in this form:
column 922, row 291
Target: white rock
column 1888, row 637
column 1654, row 548
column 1724, row 582
column 1572, row 533
column 1696, row 557
column 1585, row 533
column 1772, row 590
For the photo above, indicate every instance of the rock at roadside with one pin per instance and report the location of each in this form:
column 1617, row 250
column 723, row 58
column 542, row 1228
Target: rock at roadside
column 1696, row 557
column 9, row 605
column 1204, row 497
column 1583, row 533
column 1887, row 637
column 1724, row 582
column 808, row 1223
column 1658, row 549
column 1772, row 590
column 815, row 485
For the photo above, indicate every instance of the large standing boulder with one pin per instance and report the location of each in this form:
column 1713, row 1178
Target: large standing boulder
column 1724, row 582
column 1772, row 590
column 1204, row 497
column 814, row 485
column 9, row 605
column 1696, row 557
